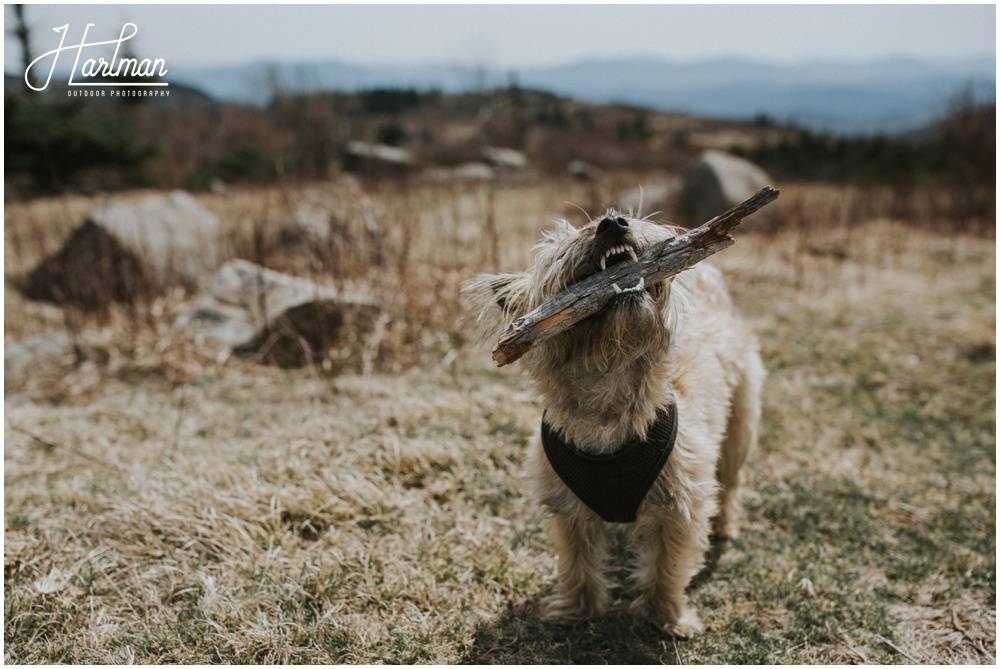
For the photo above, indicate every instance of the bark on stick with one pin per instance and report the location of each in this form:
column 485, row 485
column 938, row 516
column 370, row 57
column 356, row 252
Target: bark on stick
column 657, row 263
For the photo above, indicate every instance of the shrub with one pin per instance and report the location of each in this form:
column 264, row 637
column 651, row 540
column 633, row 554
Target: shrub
column 243, row 162
column 392, row 134
column 389, row 100
column 53, row 144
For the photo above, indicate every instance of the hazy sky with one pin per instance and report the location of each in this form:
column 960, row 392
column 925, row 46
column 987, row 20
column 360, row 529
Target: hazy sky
column 509, row 36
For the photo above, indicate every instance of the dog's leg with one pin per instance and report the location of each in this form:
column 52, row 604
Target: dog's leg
column 741, row 437
column 670, row 551
column 582, row 591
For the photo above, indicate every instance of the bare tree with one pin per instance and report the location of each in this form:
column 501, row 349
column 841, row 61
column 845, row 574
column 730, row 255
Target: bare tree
column 23, row 34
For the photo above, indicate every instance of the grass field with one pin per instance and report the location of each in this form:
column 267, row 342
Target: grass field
column 166, row 503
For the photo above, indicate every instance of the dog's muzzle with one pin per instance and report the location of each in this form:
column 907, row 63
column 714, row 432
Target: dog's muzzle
column 612, row 245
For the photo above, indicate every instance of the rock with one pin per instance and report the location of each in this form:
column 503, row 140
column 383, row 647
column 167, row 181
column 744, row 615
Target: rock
column 717, row 182
column 371, row 158
column 315, row 217
column 319, row 234
column 504, row 159
column 462, row 172
column 278, row 318
column 584, row 171
column 472, row 172
column 23, row 354
column 128, row 250
column 310, row 223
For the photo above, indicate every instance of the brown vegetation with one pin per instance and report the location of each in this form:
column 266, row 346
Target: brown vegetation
column 168, row 502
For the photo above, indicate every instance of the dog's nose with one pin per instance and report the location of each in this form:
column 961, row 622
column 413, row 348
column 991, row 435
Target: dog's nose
column 614, row 227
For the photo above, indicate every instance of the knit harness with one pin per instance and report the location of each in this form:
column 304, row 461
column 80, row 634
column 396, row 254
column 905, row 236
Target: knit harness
column 613, row 485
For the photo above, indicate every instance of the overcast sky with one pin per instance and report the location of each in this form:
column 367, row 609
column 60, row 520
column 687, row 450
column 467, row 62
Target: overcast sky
column 512, row 36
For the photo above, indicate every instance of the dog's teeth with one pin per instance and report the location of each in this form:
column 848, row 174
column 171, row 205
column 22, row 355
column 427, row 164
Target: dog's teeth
column 637, row 288
column 616, row 250
column 617, row 289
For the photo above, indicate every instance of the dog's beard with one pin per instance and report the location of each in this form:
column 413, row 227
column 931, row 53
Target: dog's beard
column 630, row 326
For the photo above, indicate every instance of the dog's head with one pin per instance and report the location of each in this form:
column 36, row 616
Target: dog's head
column 635, row 323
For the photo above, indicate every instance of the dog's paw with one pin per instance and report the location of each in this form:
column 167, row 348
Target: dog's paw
column 725, row 528
column 559, row 608
column 726, row 525
column 683, row 625
column 686, row 626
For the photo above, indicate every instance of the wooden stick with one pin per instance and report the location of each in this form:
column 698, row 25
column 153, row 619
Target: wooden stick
column 660, row 261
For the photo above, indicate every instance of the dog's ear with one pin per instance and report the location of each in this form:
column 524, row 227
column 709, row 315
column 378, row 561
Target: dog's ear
column 492, row 301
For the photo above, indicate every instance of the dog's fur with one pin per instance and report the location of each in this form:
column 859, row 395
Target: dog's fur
column 602, row 382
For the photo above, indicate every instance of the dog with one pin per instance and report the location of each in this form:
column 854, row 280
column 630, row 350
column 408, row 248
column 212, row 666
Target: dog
column 651, row 407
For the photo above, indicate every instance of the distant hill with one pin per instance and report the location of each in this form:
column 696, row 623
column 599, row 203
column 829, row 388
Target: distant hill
column 181, row 97
column 889, row 95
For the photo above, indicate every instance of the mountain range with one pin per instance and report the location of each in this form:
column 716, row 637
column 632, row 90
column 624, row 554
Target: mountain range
column 851, row 98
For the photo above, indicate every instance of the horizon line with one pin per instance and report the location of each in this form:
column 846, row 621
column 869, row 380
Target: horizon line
column 580, row 61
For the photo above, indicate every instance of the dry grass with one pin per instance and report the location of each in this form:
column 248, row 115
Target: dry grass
column 165, row 502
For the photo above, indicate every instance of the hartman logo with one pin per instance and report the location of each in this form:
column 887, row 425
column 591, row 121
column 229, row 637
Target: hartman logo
column 100, row 65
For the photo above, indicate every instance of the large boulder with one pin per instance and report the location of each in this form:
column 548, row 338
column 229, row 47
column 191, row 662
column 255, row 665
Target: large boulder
column 504, row 159
column 316, row 217
column 127, row 250
column 716, row 182
column 376, row 159
column 281, row 319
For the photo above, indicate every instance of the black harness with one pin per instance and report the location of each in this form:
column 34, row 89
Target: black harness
column 613, row 485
